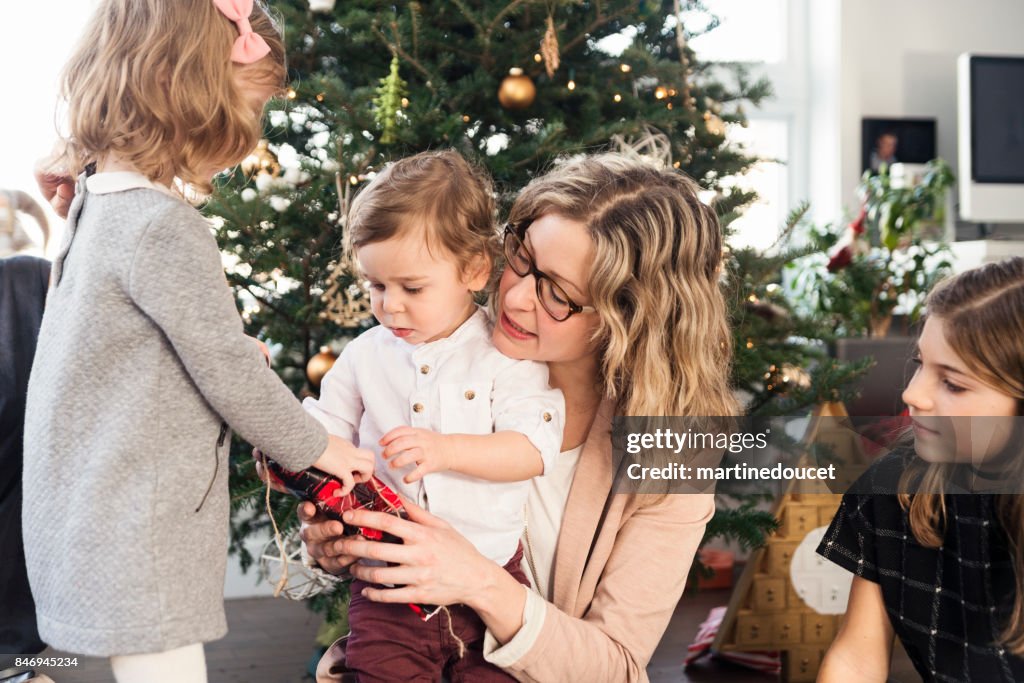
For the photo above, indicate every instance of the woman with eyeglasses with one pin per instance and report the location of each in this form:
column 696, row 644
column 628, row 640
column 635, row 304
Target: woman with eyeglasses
column 613, row 280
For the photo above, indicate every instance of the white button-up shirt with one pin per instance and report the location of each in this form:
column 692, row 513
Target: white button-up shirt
column 457, row 385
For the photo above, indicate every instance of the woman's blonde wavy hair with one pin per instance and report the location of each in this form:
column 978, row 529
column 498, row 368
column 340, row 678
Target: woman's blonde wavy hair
column 664, row 338
column 983, row 315
column 152, row 82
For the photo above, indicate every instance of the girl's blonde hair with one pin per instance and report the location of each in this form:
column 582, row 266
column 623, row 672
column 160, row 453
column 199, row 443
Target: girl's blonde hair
column 439, row 193
column 663, row 332
column 983, row 315
column 152, row 81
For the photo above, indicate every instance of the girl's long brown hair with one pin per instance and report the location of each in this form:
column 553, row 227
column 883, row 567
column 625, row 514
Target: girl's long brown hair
column 983, row 315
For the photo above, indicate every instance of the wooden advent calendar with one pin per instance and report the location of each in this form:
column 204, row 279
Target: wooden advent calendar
column 794, row 608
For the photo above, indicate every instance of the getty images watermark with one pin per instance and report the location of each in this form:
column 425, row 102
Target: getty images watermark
column 678, row 455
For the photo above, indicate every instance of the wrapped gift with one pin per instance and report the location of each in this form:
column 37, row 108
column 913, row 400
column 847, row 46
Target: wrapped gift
column 322, row 490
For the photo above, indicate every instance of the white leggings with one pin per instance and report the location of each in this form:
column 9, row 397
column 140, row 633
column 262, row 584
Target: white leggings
column 184, row 665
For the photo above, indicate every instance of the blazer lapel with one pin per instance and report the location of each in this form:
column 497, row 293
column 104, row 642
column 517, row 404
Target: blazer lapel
column 588, row 495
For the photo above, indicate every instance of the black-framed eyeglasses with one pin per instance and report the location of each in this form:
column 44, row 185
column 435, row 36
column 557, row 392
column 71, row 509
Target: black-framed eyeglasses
column 550, row 294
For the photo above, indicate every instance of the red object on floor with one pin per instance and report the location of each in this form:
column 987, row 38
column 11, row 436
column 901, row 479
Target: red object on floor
column 768, row 661
column 721, row 562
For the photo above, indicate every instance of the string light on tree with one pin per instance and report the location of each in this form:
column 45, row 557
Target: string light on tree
column 714, row 125
column 787, row 376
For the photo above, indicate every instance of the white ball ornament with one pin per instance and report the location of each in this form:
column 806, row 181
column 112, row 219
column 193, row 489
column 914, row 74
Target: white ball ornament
column 283, row 565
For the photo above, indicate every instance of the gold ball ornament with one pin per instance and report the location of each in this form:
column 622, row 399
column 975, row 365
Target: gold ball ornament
column 517, row 90
column 319, row 365
column 261, row 160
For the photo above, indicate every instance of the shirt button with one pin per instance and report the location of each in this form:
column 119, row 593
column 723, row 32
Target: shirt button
column 424, row 369
column 470, row 395
column 547, row 417
column 417, row 407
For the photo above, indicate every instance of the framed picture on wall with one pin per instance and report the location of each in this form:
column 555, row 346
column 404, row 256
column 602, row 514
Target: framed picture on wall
column 888, row 141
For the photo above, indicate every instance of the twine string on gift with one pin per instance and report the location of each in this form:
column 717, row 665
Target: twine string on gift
column 451, row 629
column 283, row 581
column 451, row 632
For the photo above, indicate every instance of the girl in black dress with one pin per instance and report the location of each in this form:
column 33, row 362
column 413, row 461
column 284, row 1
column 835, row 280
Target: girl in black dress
column 936, row 562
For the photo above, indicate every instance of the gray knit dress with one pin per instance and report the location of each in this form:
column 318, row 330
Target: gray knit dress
column 141, row 366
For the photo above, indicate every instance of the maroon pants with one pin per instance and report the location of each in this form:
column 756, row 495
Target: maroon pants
column 389, row 642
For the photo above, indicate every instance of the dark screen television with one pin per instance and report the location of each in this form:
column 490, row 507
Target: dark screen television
column 913, row 139
column 990, row 102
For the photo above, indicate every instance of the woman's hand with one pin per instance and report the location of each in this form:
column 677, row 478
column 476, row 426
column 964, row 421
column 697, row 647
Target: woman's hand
column 55, row 183
column 435, row 564
column 321, row 537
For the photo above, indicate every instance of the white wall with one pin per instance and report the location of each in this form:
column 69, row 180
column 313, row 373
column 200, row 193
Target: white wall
column 239, row 584
column 36, row 39
column 898, row 59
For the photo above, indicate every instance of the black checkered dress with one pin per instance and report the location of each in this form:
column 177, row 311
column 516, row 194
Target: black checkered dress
column 946, row 604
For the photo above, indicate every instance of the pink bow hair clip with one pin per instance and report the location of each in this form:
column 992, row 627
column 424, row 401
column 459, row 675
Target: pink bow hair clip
column 250, row 46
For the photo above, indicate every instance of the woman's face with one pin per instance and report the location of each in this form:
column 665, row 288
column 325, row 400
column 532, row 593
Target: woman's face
column 956, row 416
column 563, row 250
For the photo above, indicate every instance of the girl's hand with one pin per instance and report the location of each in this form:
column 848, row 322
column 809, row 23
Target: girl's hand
column 321, row 536
column 263, row 475
column 435, row 564
column 430, row 451
column 262, row 347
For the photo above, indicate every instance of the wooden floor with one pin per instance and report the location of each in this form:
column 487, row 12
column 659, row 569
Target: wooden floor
column 271, row 641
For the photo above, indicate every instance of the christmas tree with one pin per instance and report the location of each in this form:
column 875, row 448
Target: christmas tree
column 511, row 84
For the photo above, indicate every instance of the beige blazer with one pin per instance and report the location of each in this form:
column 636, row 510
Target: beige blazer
column 620, row 566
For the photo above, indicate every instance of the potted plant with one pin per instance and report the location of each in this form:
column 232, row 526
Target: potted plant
column 882, row 260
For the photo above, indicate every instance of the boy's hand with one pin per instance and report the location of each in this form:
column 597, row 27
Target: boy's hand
column 349, row 464
column 432, row 452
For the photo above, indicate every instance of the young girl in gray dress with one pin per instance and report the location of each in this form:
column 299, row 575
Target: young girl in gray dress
column 142, row 365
